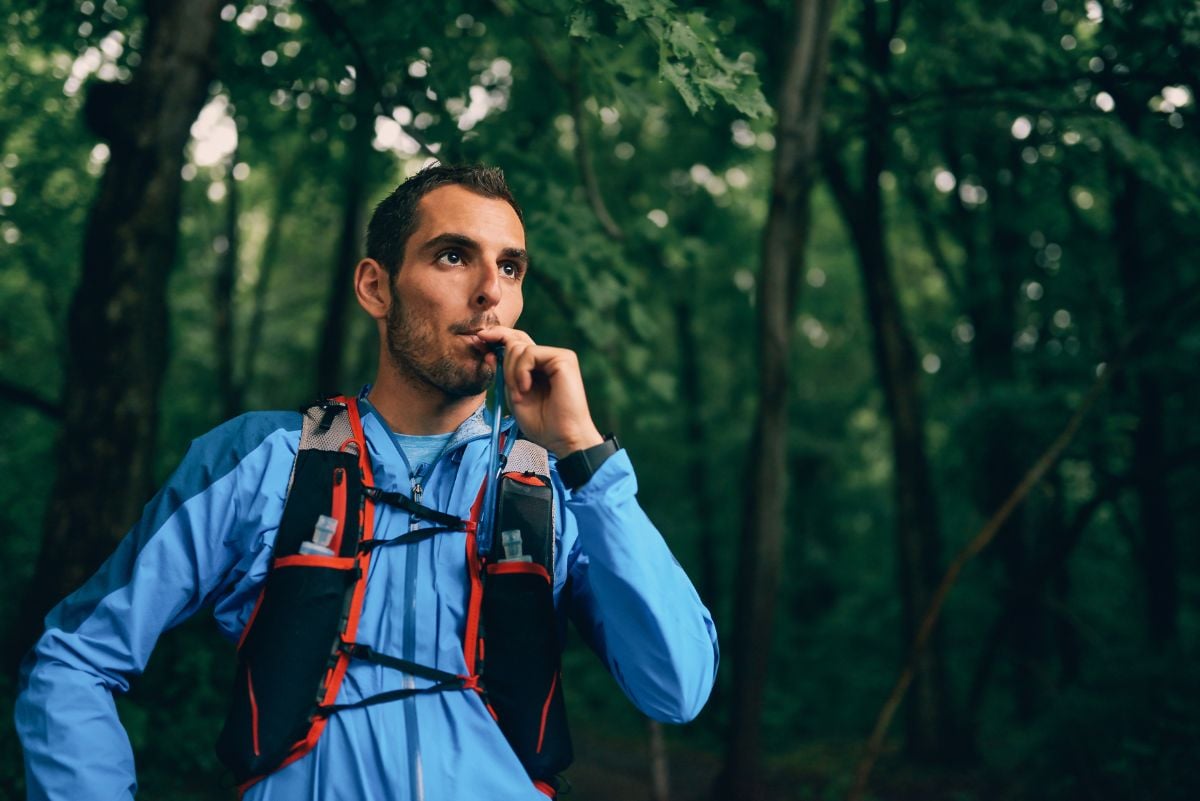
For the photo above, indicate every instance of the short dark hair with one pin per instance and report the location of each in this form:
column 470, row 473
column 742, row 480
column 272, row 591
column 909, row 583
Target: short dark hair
column 395, row 218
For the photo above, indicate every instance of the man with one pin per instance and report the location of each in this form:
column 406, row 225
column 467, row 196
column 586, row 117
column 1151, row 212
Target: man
column 443, row 278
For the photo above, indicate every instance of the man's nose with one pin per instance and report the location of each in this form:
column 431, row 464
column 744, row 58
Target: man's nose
column 487, row 292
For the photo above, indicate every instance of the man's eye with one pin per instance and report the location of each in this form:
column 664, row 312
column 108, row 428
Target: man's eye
column 511, row 270
column 451, row 257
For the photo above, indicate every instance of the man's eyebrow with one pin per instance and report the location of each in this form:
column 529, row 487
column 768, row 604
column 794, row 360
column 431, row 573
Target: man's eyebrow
column 451, row 239
column 517, row 254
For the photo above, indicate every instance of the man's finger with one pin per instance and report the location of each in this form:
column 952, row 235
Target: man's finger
column 507, row 337
column 526, row 362
column 511, row 375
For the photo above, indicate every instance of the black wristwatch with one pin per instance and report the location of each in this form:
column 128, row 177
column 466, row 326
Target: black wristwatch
column 577, row 468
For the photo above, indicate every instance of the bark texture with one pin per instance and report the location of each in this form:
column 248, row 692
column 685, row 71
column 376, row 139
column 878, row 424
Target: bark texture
column 223, row 304
column 929, row 731
column 117, row 326
column 331, row 350
column 1000, row 430
column 1158, row 550
column 761, row 550
column 252, row 344
column 1140, row 217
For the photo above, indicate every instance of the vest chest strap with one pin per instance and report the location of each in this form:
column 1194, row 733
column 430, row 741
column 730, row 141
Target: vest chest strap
column 418, row 510
column 369, row 654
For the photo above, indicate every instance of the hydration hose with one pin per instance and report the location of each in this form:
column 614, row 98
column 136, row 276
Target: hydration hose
column 493, row 475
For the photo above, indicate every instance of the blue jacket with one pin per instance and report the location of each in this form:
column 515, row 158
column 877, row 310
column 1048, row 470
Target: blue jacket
column 206, row 538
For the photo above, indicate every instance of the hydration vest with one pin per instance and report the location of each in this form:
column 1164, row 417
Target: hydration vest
column 300, row 639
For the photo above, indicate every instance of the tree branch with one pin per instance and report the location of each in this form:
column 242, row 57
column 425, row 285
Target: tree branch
column 583, row 157
column 988, row 91
column 570, row 83
column 335, row 27
column 844, row 194
column 18, row 395
column 977, row 543
column 897, row 11
column 929, row 232
column 1060, row 548
column 994, row 96
column 901, row 100
column 993, row 526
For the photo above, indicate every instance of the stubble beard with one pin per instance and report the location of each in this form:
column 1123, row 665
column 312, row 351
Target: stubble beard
column 415, row 353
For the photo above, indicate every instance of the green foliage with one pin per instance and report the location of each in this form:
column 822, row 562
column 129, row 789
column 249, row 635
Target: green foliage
column 689, row 58
column 1130, row 734
column 994, row 99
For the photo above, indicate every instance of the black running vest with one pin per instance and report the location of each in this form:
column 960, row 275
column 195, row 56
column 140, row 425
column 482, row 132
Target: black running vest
column 298, row 644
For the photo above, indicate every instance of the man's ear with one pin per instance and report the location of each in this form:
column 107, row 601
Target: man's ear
column 372, row 287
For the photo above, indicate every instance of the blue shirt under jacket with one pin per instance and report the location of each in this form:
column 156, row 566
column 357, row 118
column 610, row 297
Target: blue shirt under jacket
column 206, row 538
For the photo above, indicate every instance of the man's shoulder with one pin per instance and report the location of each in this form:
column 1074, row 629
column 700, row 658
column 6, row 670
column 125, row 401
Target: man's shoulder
column 267, row 434
column 252, row 428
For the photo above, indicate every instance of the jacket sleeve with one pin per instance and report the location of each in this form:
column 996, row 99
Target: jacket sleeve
column 177, row 558
column 632, row 601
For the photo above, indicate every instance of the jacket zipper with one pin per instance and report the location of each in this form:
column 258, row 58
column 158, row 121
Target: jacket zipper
column 417, row 488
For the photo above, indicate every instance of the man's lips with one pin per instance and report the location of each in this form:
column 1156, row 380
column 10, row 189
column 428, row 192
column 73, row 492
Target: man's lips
column 470, row 330
column 472, row 338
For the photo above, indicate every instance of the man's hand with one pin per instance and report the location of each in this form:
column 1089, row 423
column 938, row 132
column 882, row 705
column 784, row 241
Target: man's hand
column 545, row 392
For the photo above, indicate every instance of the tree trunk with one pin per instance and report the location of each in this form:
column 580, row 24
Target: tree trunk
column 117, row 327
column 917, row 536
column 333, row 332
column 1158, row 550
column 251, row 347
column 993, row 252
column 783, row 257
column 929, row 732
column 695, row 437
column 702, row 493
column 660, row 775
column 223, row 288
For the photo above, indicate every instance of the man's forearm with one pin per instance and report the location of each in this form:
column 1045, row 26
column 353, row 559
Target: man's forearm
column 657, row 636
column 74, row 744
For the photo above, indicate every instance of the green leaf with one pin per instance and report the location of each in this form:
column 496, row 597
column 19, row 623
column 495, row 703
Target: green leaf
column 677, row 75
column 581, row 23
column 638, row 9
column 691, row 62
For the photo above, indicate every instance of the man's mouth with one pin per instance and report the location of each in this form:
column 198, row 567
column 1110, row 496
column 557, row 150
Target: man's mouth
column 469, row 331
column 472, row 338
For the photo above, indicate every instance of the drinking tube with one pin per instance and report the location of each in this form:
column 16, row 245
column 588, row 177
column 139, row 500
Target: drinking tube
column 488, row 515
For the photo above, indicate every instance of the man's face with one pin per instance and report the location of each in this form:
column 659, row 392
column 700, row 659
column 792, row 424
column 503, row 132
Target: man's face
column 462, row 271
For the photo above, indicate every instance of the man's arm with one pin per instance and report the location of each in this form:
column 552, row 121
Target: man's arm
column 632, row 601
column 630, row 598
column 191, row 539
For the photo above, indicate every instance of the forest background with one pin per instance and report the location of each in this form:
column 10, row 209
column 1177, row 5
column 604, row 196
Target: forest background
column 870, row 289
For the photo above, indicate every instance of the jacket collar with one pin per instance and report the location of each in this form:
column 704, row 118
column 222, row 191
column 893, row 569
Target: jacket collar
column 388, row 460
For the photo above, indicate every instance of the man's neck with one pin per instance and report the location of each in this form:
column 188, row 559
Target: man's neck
column 412, row 407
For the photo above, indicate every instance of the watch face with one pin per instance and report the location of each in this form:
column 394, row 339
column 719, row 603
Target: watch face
column 578, row 467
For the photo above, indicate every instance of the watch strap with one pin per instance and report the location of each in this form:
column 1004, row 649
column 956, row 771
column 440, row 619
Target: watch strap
column 577, row 468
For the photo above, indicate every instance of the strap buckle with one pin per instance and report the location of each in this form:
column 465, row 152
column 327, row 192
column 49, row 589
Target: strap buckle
column 418, row 510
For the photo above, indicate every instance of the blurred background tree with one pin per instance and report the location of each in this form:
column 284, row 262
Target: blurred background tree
column 834, row 331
